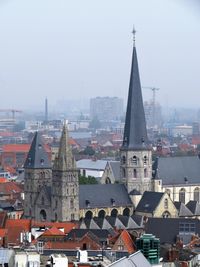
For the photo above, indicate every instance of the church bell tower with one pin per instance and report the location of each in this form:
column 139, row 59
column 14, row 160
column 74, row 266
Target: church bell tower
column 135, row 154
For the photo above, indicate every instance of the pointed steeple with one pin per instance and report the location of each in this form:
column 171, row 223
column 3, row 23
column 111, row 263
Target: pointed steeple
column 65, row 160
column 135, row 133
column 37, row 157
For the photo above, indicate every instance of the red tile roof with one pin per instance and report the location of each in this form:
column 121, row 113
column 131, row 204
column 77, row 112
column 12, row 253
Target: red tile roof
column 15, row 227
column 23, row 148
column 10, row 188
column 3, row 180
column 53, row 232
column 68, row 226
column 3, row 233
column 128, row 242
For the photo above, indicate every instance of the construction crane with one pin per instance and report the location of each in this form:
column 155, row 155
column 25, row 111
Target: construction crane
column 13, row 111
column 153, row 89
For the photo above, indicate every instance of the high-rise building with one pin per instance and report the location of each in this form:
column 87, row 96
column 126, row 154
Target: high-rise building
column 106, row 108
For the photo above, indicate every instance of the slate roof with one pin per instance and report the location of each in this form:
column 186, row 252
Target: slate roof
column 115, row 166
column 149, row 201
column 178, row 170
column 91, row 164
column 135, row 260
column 79, row 233
column 155, row 226
column 135, row 133
column 37, row 157
column 101, row 195
column 194, row 207
column 183, row 211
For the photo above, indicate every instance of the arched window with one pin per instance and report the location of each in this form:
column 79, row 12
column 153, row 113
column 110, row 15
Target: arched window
column 101, row 214
column 145, row 160
column 134, row 160
column 71, row 203
column 135, row 173
column 123, row 159
column 123, row 172
column 72, row 216
column 114, row 213
column 42, row 175
column 56, row 217
column 196, row 194
column 166, row 203
column 182, row 195
column 126, row 212
column 43, row 215
column 88, row 215
column 145, row 172
column 108, row 181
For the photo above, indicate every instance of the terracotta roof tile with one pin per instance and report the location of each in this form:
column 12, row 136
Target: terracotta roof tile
column 24, row 148
column 53, row 232
column 68, row 226
column 128, row 242
column 3, row 232
column 10, row 188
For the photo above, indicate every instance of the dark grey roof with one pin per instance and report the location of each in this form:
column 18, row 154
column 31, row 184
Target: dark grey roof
column 115, row 166
column 37, row 157
column 155, row 226
column 149, row 201
column 135, row 133
column 103, row 195
column 194, row 207
column 138, row 219
column 183, row 211
column 79, row 233
column 134, row 192
column 179, row 170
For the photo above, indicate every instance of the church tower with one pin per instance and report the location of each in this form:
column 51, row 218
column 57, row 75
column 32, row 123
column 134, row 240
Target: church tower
column 37, row 174
column 135, row 155
column 65, row 185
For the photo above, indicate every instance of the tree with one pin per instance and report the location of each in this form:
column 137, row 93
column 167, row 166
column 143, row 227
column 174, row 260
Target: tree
column 87, row 180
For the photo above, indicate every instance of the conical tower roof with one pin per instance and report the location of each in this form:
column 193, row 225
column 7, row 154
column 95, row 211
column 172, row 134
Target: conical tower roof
column 135, row 133
column 37, row 157
column 65, row 160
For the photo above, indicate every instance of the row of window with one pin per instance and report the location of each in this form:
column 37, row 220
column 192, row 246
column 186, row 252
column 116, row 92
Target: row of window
column 182, row 193
column 135, row 173
column 134, row 160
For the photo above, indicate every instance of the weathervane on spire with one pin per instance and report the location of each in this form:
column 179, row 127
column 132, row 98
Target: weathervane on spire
column 134, row 33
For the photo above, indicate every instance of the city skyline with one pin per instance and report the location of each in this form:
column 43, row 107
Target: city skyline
column 68, row 51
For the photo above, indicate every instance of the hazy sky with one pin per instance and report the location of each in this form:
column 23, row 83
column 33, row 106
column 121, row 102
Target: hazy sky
column 82, row 48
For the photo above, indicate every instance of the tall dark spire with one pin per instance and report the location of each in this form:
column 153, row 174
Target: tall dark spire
column 37, row 157
column 135, row 133
column 65, row 160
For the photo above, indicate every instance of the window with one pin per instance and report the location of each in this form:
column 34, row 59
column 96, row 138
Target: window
column 145, row 160
column 166, row 203
column 123, row 159
column 123, row 172
column 187, row 227
column 71, row 203
column 135, row 173
column 145, row 173
column 166, row 214
column 182, row 195
column 108, row 181
column 196, row 194
column 134, row 160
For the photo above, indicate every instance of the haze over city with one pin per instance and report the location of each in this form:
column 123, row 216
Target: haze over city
column 82, row 49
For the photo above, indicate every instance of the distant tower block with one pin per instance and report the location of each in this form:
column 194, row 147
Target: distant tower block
column 46, row 110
